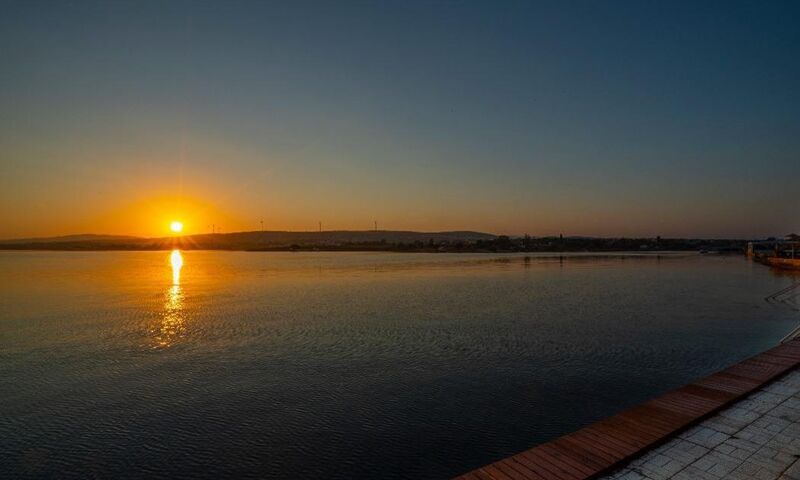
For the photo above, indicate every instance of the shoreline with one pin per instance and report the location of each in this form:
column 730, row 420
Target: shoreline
column 51, row 248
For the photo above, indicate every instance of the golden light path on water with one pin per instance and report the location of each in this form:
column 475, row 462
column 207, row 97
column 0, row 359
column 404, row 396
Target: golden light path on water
column 176, row 260
column 172, row 325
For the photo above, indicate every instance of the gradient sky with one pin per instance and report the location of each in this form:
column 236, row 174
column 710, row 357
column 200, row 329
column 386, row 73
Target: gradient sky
column 596, row 118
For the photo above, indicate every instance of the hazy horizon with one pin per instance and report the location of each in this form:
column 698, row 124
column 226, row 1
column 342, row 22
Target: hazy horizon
column 589, row 119
column 512, row 235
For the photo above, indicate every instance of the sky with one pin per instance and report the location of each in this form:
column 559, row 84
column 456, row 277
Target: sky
column 620, row 118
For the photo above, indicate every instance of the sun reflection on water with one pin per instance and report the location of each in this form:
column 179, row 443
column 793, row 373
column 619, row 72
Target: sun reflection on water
column 176, row 259
column 173, row 320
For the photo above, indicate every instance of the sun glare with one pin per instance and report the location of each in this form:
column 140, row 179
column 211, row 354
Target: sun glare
column 176, row 259
column 176, row 227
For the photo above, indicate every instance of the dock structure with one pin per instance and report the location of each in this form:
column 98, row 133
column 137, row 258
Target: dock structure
column 755, row 438
column 609, row 445
column 777, row 253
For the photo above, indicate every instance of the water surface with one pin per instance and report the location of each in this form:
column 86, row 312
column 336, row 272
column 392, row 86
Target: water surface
column 347, row 365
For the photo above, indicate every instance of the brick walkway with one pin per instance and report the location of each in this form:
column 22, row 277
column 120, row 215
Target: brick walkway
column 756, row 438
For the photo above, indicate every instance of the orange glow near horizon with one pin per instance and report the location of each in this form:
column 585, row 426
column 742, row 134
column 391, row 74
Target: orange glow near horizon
column 156, row 216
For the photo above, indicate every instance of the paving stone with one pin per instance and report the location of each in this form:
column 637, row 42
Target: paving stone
column 725, row 425
column 781, row 389
column 741, row 416
column 631, row 475
column 755, row 434
column 661, row 471
column 772, row 423
column 683, row 451
column 707, row 437
column 786, row 412
column 692, row 473
column 751, row 471
column 772, row 460
column 793, row 472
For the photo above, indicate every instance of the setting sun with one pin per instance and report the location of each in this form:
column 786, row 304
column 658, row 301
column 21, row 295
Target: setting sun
column 176, row 227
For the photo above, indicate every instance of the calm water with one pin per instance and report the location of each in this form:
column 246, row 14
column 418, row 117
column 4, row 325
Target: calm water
column 347, row 365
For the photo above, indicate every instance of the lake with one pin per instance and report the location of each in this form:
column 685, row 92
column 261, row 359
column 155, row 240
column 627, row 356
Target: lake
column 201, row 364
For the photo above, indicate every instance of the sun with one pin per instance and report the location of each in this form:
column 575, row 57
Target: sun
column 176, row 226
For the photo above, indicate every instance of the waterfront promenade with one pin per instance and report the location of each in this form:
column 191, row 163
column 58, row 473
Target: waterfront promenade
column 742, row 422
column 756, row 438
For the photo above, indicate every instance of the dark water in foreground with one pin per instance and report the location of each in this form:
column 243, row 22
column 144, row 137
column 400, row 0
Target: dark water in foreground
column 347, row 365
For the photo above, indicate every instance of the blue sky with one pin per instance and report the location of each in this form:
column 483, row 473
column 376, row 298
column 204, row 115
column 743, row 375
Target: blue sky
column 587, row 118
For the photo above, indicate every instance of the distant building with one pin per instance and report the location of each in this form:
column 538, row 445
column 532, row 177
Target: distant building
column 786, row 248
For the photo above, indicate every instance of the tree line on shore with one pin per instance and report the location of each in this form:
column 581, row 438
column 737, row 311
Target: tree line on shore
column 504, row 243
column 409, row 242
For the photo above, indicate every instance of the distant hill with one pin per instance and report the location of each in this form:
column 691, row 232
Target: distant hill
column 340, row 236
column 83, row 237
column 258, row 240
